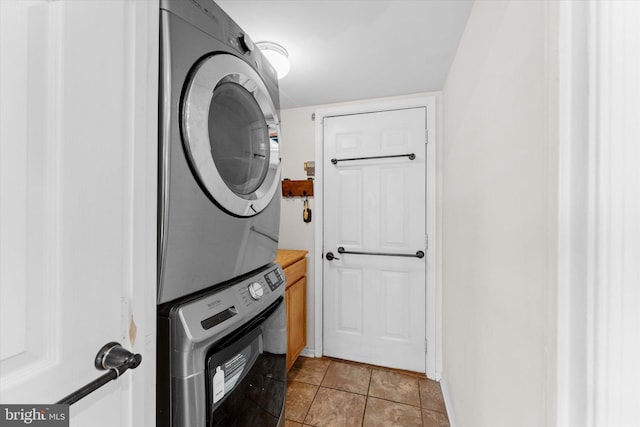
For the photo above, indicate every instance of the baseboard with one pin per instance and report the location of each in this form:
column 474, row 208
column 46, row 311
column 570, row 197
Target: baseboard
column 308, row 352
column 447, row 402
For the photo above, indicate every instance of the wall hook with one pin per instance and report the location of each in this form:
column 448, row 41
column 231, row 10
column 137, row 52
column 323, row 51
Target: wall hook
column 297, row 188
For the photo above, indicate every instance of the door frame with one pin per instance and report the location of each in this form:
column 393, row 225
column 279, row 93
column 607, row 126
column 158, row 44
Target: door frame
column 429, row 103
column 596, row 297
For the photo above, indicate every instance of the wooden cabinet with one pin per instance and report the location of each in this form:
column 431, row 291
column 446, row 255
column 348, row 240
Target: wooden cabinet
column 296, row 298
column 294, row 264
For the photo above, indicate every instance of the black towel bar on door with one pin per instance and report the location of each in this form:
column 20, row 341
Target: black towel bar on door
column 418, row 254
column 411, row 156
column 116, row 359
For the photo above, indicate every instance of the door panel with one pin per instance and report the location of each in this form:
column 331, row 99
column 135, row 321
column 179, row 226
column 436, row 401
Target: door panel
column 349, row 300
column 395, row 293
column 77, row 202
column 394, row 222
column 349, row 223
column 374, row 306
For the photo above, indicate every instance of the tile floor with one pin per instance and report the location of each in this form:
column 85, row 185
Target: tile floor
column 334, row 393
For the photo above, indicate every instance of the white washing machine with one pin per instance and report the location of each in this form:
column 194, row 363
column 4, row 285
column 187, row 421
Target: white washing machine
column 219, row 159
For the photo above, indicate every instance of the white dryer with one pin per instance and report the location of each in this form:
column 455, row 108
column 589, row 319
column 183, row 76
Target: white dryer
column 219, row 158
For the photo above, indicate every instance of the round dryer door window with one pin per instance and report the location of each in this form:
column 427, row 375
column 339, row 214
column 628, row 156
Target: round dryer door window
column 230, row 127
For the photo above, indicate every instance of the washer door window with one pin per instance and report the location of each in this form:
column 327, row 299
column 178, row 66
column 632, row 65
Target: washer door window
column 230, row 128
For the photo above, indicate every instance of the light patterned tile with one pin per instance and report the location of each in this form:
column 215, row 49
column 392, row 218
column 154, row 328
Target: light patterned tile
column 347, row 377
column 299, row 398
column 383, row 413
column 334, row 408
column 434, row 419
column 431, row 396
column 308, row 370
column 396, row 387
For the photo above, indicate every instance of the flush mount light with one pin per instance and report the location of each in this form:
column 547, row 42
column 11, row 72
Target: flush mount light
column 277, row 56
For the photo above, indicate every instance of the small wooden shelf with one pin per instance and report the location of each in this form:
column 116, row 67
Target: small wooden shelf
column 297, row 188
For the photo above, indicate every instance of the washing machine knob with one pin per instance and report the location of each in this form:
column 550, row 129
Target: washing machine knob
column 245, row 43
column 256, row 290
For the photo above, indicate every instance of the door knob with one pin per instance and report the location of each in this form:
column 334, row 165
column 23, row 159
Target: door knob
column 330, row 256
column 112, row 356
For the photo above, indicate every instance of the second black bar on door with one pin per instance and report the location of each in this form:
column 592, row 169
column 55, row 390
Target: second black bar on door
column 411, row 156
column 418, row 254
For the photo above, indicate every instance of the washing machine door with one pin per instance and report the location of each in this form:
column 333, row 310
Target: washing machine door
column 230, row 130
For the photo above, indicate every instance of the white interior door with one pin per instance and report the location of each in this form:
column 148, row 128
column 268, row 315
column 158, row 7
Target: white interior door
column 78, row 203
column 374, row 301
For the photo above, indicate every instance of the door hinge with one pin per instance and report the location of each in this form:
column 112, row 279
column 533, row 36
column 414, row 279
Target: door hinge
column 426, row 136
column 426, row 346
column 426, row 241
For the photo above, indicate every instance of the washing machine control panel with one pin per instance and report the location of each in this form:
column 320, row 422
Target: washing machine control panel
column 274, row 278
column 255, row 290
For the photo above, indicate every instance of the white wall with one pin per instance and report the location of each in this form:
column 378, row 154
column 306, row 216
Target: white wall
column 499, row 218
column 298, row 146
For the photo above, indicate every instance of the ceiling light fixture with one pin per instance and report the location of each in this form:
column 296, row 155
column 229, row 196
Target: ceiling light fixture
column 277, row 56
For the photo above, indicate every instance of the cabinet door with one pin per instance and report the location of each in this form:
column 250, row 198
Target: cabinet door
column 296, row 299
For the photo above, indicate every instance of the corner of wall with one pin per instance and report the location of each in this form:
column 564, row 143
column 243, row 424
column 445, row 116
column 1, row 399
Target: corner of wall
column 448, row 403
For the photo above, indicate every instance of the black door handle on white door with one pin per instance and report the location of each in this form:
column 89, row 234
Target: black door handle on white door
column 330, row 256
column 112, row 357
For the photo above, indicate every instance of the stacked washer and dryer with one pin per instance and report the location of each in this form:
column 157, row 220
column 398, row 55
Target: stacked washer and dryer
column 221, row 318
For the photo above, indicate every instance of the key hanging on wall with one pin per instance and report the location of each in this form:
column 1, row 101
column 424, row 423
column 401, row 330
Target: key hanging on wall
column 306, row 211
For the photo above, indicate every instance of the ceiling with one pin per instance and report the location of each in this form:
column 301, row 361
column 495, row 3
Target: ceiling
column 344, row 50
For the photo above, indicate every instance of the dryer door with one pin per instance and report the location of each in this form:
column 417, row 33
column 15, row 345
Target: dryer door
column 230, row 130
